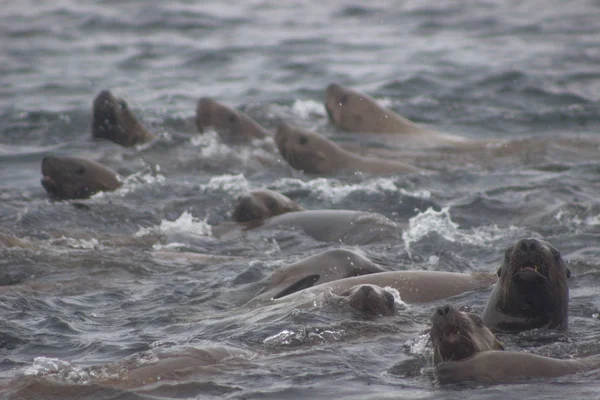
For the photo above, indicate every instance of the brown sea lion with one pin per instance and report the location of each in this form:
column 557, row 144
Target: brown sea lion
column 112, row 119
column 233, row 127
column 457, row 335
column 354, row 111
column 342, row 226
column 371, row 299
column 531, row 291
column 76, row 178
column 465, row 349
column 260, row 204
column 314, row 154
column 413, row 286
column 323, row 267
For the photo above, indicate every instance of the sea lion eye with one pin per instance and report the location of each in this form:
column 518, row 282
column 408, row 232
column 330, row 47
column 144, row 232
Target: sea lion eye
column 80, row 170
column 302, row 139
column 123, row 105
column 343, row 99
column 232, row 118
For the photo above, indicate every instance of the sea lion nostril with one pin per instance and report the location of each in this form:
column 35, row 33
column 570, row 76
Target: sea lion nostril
column 533, row 246
column 446, row 309
column 523, row 247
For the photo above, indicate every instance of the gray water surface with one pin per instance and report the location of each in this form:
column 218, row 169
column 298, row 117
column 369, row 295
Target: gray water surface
column 526, row 72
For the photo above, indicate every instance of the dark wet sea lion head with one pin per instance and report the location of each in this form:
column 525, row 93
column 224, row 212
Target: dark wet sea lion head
column 371, row 299
column 76, row 178
column 232, row 126
column 533, row 282
column 112, row 119
column 457, row 335
column 349, row 109
column 261, row 204
column 308, row 151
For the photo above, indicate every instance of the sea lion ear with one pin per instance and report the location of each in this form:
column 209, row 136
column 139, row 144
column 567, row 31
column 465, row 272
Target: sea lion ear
column 499, row 272
column 568, row 273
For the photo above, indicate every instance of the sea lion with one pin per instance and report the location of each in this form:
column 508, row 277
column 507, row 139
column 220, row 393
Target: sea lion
column 457, row 335
column 112, row 119
column 342, row 226
column 465, row 349
column 261, row 204
column 371, row 299
column 531, row 291
column 314, row 154
column 323, row 267
column 413, row 286
column 76, row 178
column 233, row 127
column 354, row 111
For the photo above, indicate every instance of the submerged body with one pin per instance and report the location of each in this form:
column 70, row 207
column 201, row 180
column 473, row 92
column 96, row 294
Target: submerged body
column 413, row 286
column 314, row 270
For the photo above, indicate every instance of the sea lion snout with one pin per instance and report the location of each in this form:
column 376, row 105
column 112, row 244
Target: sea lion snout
column 247, row 208
column 443, row 311
column 203, row 113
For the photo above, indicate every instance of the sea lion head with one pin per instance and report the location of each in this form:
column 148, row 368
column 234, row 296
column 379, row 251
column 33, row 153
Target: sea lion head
column 371, row 299
column 351, row 110
column 76, row 178
column 232, row 126
column 457, row 335
column 113, row 120
column 533, row 285
column 262, row 204
column 307, row 151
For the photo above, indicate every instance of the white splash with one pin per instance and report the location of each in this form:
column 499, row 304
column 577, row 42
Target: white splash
column 65, row 371
column 334, row 190
column 419, row 344
column 186, row 223
column 234, row 184
column 397, row 299
column 439, row 222
column 83, row 244
column 305, row 108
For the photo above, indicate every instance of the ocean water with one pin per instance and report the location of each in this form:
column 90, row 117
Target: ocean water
column 87, row 287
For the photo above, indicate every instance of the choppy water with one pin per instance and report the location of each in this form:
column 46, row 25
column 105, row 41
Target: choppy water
column 496, row 69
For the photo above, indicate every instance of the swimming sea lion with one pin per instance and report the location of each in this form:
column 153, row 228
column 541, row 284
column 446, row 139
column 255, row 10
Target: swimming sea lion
column 354, row 111
column 233, row 127
column 465, row 349
column 261, row 204
column 531, row 291
column 76, row 178
column 342, row 226
column 113, row 120
column 457, row 335
column 413, row 286
column 314, row 154
column 371, row 299
column 323, row 267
